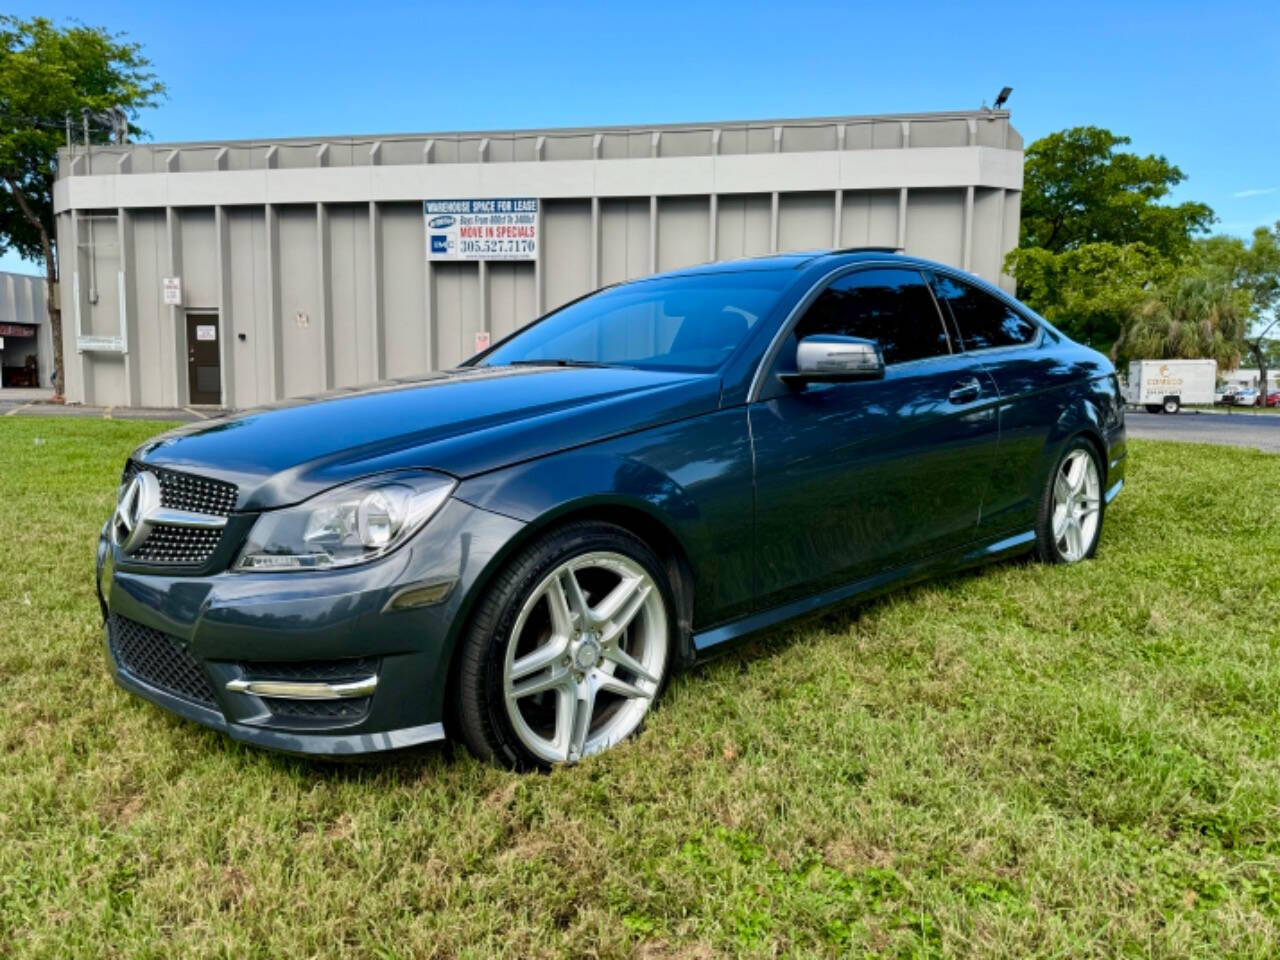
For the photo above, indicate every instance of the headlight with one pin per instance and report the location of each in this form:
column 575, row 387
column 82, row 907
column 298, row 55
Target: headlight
column 352, row 524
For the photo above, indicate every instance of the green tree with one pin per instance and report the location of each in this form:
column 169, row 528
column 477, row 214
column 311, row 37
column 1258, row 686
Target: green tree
column 1079, row 189
column 1254, row 267
column 1097, row 238
column 1198, row 313
column 46, row 73
column 1089, row 292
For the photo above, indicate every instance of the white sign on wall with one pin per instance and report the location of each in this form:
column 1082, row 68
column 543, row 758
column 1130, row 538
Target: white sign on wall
column 206, row 331
column 498, row 229
column 173, row 291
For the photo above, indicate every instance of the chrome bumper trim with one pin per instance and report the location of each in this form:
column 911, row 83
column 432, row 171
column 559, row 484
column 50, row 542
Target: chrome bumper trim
column 296, row 690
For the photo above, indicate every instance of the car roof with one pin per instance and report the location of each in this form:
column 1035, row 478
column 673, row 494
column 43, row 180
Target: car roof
column 801, row 259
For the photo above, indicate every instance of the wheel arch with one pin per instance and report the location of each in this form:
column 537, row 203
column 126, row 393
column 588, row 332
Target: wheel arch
column 633, row 515
column 1080, row 418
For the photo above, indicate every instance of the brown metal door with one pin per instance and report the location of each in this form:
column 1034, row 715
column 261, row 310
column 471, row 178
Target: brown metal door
column 204, row 368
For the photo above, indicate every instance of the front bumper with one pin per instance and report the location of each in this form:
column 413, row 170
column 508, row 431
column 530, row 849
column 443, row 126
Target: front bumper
column 229, row 623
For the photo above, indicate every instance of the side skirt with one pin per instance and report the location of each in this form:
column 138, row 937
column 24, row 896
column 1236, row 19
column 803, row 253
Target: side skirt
column 1004, row 545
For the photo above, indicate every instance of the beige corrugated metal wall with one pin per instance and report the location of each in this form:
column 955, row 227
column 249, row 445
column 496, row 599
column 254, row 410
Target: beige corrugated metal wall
column 313, row 254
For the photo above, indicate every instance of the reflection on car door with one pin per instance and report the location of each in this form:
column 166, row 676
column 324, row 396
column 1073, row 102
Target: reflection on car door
column 855, row 478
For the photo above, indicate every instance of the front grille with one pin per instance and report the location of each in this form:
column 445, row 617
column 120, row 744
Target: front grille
column 178, row 546
column 187, row 491
column 159, row 660
column 183, row 546
column 315, row 671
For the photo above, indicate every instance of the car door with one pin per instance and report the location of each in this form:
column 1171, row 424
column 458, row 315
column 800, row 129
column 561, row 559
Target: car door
column 1031, row 378
column 855, row 478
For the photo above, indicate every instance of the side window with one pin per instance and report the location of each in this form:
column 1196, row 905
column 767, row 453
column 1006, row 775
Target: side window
column 891, row 306
column 983, row 320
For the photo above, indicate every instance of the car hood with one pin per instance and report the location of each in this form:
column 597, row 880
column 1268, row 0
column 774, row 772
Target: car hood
column 461, row 422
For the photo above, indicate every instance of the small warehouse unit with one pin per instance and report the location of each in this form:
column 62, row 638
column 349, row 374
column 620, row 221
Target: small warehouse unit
column 237, row 273
column 26, row 349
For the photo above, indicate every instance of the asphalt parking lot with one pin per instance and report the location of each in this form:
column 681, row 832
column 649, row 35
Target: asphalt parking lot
column 1260, row 431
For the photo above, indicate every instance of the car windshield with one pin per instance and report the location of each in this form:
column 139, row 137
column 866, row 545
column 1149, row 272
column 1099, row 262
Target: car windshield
column 673, row 323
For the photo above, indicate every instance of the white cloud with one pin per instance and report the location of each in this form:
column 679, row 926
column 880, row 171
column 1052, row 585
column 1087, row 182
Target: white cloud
column 1257, row 192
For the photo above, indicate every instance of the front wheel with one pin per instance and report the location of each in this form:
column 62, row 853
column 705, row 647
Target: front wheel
column 1071, row 509
column 568, row 650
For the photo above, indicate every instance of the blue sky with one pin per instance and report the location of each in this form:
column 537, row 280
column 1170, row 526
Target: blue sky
column 1196, row 82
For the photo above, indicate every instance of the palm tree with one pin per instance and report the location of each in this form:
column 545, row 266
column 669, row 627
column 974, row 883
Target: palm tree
column 1198, row 314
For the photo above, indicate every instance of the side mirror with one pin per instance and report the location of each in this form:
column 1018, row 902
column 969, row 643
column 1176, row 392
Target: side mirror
column 827, row 358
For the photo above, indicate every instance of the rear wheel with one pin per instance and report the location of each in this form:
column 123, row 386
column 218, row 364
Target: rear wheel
column 1072, row 508
column 568, row 651
column 1172, row 405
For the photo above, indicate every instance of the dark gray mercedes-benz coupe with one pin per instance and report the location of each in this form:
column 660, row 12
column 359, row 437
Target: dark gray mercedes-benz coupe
column 519, row 552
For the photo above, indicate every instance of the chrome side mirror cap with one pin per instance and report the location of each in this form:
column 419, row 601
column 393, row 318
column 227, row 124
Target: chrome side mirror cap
column 827, row 357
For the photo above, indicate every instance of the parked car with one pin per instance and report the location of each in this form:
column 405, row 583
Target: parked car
column 1246, row 397
column 1273, row 399
column 519, row 552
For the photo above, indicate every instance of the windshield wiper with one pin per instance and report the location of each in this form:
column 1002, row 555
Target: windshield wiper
column 556, row 363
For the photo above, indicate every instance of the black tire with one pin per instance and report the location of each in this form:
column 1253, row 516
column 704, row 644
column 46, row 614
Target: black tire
column 1172, row 405
column 1154, row 408
column 1046, row 546
column 480, row 713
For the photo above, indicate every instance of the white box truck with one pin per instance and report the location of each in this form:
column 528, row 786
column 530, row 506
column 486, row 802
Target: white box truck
column 1166, row 385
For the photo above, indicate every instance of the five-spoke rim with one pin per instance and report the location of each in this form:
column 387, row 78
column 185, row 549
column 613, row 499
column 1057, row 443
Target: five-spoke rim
column 1077, row 505
column 585, row 657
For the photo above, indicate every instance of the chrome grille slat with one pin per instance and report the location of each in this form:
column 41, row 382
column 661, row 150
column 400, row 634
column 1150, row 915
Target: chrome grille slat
column 182, row 546
column 188, row 491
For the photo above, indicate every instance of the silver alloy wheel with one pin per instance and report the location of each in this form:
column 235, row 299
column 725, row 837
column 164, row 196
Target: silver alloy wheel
column 1077, row 503
column 586, row 657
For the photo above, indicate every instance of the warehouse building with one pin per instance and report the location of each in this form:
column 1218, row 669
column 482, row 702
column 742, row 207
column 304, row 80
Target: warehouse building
column 237, row 273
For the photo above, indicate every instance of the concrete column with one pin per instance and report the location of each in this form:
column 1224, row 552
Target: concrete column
column 226, row 312
column 966, row 257
column 714, row 219
column 838, row 217
column 377, row 306
column 595, row 243
column 126, row 283
column 324, row 293
column 773, row 221
column 275, row 321
column 653, row 232
column 428, row 315
column 539, row 264
column 902, row 218
column 483, row 276
column 72, row 355
column 176, row 316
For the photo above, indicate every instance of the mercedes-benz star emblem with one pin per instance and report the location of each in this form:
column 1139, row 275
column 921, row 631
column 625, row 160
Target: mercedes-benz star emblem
column 139, row 499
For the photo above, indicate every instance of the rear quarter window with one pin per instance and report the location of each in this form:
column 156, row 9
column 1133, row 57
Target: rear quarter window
column 982, row 320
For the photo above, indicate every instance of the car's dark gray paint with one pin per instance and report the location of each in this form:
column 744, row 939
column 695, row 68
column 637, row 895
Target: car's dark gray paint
column 769, row 500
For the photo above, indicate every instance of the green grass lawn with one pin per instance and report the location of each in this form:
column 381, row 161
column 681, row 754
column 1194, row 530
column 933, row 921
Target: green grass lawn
column 1020, row 761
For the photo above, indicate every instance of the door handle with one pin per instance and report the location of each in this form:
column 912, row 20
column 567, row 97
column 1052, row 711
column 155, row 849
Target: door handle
column 965, row 391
